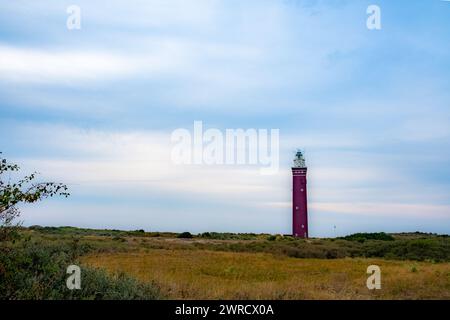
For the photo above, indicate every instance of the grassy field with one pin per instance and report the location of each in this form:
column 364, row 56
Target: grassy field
column 152, row 265
column 204, row 274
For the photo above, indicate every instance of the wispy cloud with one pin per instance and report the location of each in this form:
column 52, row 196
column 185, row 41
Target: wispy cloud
column 62, row 67
column 28, row 65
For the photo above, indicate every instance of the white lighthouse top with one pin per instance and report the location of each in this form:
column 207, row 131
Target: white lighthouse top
column 299, row 160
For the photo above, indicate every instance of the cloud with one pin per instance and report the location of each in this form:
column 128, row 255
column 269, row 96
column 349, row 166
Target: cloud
column 158, row 57
column 207, row 54
column 386, row 210
column 64, row 67
column 95, row 157
column 373, row 209
column 88, row 157
column 28, row 65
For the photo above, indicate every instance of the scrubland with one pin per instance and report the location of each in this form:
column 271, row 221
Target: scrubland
column 142, row 265
column 204, row 274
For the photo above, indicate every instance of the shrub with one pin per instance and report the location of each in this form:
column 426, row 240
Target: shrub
column 98, row 285
column 362, row 237
column 35, row 270
column 185, row 235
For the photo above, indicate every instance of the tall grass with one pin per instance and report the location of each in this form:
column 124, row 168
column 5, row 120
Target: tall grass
column 203, row 274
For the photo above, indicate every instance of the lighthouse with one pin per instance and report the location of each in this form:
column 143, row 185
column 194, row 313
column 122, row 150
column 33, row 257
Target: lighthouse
column 299, row 199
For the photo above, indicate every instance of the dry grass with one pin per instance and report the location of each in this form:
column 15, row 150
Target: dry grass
column 203, row 274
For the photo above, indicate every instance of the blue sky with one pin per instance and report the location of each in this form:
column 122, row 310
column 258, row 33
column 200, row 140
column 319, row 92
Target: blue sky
column 95, row 108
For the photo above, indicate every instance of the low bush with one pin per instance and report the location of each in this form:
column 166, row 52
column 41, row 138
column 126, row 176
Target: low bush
column 361, row 237
column 185, row 235
column 37, row 270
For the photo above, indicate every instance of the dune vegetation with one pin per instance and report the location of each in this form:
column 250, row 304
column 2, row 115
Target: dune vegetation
column 152, row 265
column 203, row 274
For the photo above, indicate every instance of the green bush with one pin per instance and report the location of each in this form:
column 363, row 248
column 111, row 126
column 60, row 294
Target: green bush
column 37, row 270
column 185, row 235
column 97, row 284
column 362, row 237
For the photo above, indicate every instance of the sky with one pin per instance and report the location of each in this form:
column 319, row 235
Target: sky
column 95, row 108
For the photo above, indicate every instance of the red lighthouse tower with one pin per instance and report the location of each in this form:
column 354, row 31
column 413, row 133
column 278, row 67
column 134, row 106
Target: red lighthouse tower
column 299, row 200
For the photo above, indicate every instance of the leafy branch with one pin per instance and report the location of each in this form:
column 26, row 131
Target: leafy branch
column 25, row 190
